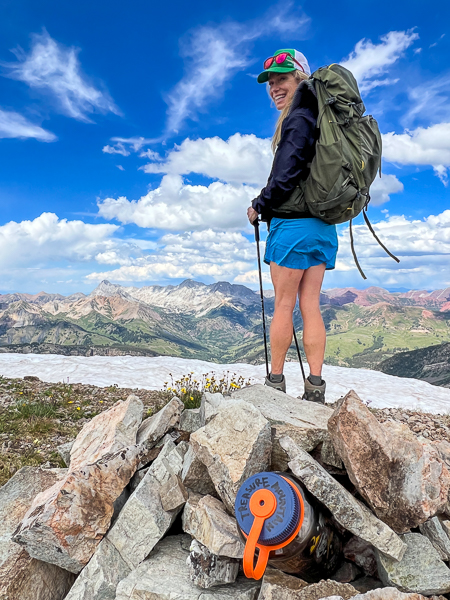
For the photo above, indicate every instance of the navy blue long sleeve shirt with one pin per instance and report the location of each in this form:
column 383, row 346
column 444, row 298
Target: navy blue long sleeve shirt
column 290, row 164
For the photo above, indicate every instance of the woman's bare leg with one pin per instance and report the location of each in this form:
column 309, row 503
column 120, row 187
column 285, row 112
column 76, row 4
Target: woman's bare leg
column 286, row 285
column 314, row 335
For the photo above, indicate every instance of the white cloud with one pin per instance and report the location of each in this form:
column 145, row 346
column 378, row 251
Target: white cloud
column 437, row 41
column 134, row 145
column 422, row 146
column 369, row 60
column 381, row 189
column 176, row 206
column 429, row 101
column 199, row 254
column 423, row 247
column 15, row 125
column 49, row 239
column 213, row 54
column 117, row 149
column 120, row 167
column 240, row 159
column 51, row 67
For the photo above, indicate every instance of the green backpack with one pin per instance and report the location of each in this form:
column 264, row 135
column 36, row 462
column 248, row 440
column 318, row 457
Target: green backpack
column 348, row 152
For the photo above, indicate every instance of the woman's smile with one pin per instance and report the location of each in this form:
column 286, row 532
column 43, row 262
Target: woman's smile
column 282, row 87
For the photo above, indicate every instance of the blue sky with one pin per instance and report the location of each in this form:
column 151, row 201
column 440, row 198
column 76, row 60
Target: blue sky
column 133, row 136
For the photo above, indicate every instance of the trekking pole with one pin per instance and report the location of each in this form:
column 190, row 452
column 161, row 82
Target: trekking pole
column 299, row 355
column 256, row 226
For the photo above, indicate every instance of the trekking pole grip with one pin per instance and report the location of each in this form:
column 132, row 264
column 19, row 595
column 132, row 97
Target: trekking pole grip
column 256, row 226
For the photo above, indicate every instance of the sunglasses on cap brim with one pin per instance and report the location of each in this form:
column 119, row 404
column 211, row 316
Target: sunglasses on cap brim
column 279, row 59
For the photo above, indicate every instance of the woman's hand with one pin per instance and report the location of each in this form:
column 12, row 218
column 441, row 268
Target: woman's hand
column 252, row 215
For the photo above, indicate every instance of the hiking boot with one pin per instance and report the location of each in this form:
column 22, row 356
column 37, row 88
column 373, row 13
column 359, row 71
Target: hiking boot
column 279, row 385
column 314, row 393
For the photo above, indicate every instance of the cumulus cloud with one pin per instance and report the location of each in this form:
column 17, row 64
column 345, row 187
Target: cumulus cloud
column 383, row 187
column 240, row 159
column 52, row 68
column 176, row 206
column 48, row 239
column 213, row 54
column 199, row 254
column 423, row 246
column 368, row 60
column 15, row 125
column 422, row 146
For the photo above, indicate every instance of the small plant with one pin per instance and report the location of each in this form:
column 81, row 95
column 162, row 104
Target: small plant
column 190, row 390
column 29, row 410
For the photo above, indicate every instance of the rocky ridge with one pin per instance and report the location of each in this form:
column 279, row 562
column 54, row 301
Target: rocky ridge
column 160, row 523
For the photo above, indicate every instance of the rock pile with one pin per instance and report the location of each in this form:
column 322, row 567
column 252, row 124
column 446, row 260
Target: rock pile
column 145, row 509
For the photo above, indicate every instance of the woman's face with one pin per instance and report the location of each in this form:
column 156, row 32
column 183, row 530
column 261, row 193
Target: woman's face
column 282, row 87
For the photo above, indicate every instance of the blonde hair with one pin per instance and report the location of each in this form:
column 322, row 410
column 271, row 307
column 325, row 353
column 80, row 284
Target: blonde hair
column 300, row 76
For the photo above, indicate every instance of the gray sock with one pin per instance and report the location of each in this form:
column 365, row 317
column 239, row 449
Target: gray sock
column 276, row 378
column 315, row 379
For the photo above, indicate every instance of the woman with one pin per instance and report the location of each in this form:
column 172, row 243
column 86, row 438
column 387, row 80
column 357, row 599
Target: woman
column 299, row 247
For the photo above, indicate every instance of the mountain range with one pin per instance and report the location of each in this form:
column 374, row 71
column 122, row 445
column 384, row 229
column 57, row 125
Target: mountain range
column 220, row 322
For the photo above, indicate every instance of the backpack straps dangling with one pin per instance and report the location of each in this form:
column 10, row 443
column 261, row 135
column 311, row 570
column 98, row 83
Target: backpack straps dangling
column 352, row 245
column 369, row 225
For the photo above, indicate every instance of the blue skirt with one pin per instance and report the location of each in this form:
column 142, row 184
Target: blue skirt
column 301, row 243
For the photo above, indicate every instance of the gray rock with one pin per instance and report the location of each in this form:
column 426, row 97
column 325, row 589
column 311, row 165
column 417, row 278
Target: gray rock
column 26, row 578
column 276, row 585
column 362, row 554
column 366, row 584
column 143, row 520
column 209, row 407
column 446, row 527
column 16, row 497
column 346, row 573
column 100, row 577
column 329, row 455
column 155, row 427
column 173, row 494
column 326, row 588
column 304, row 422
column 65, row 524
column 165, row 576
column 234, row 445
column 347, row 510
column 390, row 593
column 421, row 569
column 404, row 480
column 207, row 521
column 190, row 420
column 195, row 475
column 119, row 503
column 23, row 577
column 434, row 531
column 137, row 478
column 207, row 570
column 64, row 451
